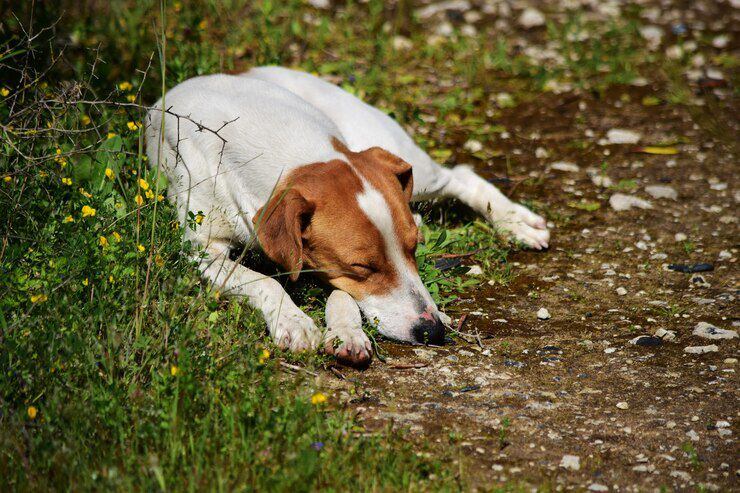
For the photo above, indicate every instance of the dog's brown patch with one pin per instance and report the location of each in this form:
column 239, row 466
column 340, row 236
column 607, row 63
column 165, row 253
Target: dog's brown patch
column 314, row 221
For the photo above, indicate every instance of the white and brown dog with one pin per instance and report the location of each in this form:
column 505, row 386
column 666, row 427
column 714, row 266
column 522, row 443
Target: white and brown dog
column 324, row 182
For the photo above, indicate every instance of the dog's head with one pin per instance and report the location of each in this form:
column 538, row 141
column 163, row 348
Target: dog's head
column 349, row 222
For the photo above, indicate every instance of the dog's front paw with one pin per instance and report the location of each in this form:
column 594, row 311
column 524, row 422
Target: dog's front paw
column 523, row 225
column 296, row 331
column 344, row 336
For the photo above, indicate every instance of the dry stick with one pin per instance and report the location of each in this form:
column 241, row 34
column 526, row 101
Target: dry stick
column 408, row 366
column 337, row 373
column 297, row 368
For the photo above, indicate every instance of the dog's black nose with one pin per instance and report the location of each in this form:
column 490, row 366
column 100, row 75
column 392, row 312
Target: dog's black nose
column 429, row 331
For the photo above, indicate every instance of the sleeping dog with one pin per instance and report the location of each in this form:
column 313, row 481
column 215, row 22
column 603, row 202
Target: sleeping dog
column 323, row 181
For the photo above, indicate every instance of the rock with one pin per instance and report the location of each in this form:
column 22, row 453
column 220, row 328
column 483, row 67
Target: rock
column 679, row 237
column 622, row 405
column 693, row 436
column 602, row 181
column 597, row 487
column 531, row 17
column 724, row 255
column 622, row 136
column 473, row 146
column 709, row 331
column 565, row 166
column 653, row 35
column 475, row 270
column 543, row 314
column 647, row 341
column 689, row 269
column 699, row 281
column 621, row 202
column 682, row 475
column 712, row 348
column 320, row 4
column 440, row 7
column 572, row 462
column 720, row 41
column 621, row 291
column 661, row 192
column 402, row 43
column 666, row 335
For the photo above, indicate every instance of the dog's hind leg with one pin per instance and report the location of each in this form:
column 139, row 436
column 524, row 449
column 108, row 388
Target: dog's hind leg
column 288, row 325
column 462, row 183
column 344, row 337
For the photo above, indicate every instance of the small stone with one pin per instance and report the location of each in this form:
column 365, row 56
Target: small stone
column 475, row 270
column 709, row 331
column 647, row 341
column 402, row 43
column 473, row 146
column 320, row 4
column 572, row 462
column 622, row 136
column 622, row 202
column 602, row 181
column 679, row 237
column 661, row 192
column 699, row 281
column 682, row 475
column 666, row 335
column 693, row 436
column 565, row 166
column 543, row 314
column 712, row 348
column 621, row 291
column 720, row 41
column 597, row 487
column 622, row 405
column 724, row 255
column 531, row 17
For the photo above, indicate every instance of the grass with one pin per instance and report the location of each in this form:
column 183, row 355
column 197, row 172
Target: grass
column 120, row 369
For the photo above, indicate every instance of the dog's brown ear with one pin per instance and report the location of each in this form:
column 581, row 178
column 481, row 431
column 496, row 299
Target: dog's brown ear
column 396, row 165
column 279, row 225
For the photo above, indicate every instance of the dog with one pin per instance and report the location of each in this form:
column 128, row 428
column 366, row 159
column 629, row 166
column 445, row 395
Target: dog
column 323, row 182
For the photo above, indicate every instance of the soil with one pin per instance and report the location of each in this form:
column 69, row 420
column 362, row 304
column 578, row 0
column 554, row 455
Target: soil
column 518, row 394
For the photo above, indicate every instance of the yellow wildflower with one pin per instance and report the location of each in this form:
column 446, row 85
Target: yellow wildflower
column 143, row 184
column 69, row 219
column 116, row 236
column 111, row 279
column 87, row 211
column 39, row 298
column 109, row 173
column 85, row 281
column 4, row 92
column 199, row 218
column 103, row 241
column 133, row 126
column 85, row 120
column 111, row 135
column 149, row 194
column 67, row 181
column 32, row 412
column 7, row 178
column 139, row 200
column 141, row 248
column 158, row 260
column 264, row 356
column 131, row 98
column 85, row 193
column 174, row 370
column 125, row 86
column 160, row 197
column 318, row 398
column 203, row 24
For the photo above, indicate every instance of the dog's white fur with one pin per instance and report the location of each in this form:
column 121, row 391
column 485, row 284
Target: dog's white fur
column 280, row 120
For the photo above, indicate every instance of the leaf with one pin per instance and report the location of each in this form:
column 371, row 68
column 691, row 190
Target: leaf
column 440, row 240
column 657, row 150
column 585, row 206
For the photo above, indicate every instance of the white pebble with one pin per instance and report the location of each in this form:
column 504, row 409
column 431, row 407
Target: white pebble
column 572, row 462
column 622, row 136
column 543, row 314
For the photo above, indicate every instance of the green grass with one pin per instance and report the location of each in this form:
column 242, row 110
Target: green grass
column 120, row 369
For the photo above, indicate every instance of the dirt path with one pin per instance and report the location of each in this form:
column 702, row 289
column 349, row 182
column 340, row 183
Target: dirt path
column 535, row 391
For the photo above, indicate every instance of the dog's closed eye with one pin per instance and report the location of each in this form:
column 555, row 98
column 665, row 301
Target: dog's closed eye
column 364, row 270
